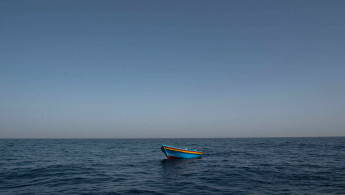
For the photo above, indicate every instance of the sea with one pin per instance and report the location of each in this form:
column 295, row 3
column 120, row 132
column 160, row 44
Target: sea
column 137, row 166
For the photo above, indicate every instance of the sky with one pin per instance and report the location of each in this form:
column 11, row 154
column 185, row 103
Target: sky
column 172, row 69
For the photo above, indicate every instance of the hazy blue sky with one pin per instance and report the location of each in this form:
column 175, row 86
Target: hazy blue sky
column 115, row 69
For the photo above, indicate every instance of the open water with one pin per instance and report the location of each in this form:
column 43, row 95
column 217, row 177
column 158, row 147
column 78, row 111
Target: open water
column 128, row 166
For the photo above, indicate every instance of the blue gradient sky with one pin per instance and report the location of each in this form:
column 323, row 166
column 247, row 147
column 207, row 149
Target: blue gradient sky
column 141, row 69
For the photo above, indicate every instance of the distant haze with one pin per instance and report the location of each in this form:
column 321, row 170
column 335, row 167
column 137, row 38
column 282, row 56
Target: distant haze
column 172, row 69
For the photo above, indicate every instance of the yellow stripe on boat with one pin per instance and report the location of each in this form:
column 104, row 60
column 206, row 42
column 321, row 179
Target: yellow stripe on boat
column 180, row 150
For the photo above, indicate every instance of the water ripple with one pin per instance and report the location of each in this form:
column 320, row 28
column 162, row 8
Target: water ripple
column 230, row 166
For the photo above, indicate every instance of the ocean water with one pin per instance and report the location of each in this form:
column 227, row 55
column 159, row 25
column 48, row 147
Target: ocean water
column 129, row 166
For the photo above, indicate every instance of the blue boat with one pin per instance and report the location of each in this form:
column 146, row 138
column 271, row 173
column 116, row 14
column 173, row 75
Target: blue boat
column 179, row 153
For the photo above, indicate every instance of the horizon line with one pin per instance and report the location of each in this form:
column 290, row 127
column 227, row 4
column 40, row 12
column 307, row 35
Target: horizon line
column 190, row 137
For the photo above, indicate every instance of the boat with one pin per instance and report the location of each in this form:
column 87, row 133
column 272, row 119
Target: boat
column 180, row 153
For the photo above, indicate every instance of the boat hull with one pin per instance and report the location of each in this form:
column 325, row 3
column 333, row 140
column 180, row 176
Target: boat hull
column 179, row 153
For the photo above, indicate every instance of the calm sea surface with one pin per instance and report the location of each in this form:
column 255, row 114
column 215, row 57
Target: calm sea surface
column 128, row 166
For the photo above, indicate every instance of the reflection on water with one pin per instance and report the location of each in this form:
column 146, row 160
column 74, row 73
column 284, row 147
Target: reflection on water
column 179, row 167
